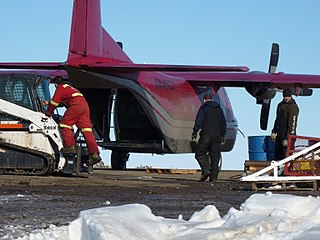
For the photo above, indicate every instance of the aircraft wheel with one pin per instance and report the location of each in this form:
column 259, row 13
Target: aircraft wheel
column 119, row 160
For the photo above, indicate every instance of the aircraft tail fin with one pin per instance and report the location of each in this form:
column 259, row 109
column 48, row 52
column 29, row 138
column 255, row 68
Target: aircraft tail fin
column 88, row 39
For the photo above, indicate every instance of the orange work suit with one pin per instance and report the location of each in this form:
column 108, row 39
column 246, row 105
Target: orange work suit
column 77, row 113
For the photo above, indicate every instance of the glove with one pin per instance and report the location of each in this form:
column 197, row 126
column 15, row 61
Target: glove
column 44, row 103
column 273, row 136
column 194, row 136
column 285, row 143
column 223, row 140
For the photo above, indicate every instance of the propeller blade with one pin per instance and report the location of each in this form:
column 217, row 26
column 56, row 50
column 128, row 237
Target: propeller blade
column 264, row 114
column 265, row 107
column 274, row 58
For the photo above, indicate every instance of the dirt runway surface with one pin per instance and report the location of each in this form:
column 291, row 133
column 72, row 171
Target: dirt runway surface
column 30, row 202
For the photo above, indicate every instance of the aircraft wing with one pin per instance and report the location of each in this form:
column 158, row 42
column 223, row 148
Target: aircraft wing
column 219, row 76
column 120, row 67
column 231, row 79
column 107, row 67
column 51, row 69
column 33, row 65
column 223, row 76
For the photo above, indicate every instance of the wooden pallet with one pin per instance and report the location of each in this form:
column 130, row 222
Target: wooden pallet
column 285, row 186
column 171, row 171
column 251, row 166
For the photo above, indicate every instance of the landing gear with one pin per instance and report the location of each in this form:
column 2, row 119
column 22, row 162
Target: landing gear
column 119, row 160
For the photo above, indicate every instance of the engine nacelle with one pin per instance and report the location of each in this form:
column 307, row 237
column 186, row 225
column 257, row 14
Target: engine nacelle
column 261, row 91
column 302, row 91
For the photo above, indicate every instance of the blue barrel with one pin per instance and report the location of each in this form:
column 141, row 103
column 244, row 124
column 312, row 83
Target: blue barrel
column 270, row 148
column 261, row 148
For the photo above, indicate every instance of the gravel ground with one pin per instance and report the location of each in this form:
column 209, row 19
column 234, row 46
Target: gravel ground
column 31, row 202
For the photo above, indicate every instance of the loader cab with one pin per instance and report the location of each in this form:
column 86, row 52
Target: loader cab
column 24, row 89
column 42, row 91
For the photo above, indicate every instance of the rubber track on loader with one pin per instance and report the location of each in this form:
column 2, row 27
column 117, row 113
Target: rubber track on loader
column 15, row 159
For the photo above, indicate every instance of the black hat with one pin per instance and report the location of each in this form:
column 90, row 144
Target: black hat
column 57, row 80
column 208, row 96
column 287, row 92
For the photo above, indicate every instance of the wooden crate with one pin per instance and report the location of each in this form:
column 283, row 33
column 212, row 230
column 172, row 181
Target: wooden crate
column 171, row 171
column 251, row 166
column 285, row 186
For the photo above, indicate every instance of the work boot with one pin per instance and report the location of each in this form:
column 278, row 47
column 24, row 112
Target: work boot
column 90, row 169
column 204, row 176
column 93, row 159
column 69, row 150
column 213, row 176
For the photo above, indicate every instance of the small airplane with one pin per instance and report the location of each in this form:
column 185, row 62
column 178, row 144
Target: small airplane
column 154, row 105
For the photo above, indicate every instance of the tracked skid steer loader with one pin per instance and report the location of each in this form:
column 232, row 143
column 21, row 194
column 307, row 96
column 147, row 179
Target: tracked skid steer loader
column 30, row 142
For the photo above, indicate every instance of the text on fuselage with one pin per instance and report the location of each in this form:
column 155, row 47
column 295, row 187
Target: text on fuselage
column 163, row 84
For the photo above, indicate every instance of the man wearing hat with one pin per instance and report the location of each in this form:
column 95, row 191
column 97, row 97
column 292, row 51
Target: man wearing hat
column 212, row 123
column 285, row 123
column 77, row 113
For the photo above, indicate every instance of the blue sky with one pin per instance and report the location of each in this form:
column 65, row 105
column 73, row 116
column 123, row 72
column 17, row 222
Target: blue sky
column 206, row 32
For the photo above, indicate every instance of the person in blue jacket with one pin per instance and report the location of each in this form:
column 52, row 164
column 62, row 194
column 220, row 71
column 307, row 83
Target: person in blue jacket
column 211, row 123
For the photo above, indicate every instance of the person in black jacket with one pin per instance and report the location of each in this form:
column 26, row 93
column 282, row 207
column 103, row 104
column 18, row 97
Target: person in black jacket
column 285, row 123
column 211, row 123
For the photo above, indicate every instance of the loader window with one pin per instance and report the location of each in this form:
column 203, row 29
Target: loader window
column 18, row 92
column 43, row 93
column 43, row 90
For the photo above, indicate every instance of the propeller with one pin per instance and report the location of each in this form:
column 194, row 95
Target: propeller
column 274, row 58
column 265, row 108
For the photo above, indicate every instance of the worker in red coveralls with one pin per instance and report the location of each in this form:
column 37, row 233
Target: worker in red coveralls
column 77, row 113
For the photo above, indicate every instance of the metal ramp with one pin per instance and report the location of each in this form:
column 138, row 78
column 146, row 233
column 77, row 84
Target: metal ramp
column 301, row 168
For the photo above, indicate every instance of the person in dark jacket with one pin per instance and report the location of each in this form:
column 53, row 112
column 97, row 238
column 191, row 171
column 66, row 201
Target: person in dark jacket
column 285, row 123
column 211, row 123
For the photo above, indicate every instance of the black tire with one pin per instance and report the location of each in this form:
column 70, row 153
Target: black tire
column 119, row 160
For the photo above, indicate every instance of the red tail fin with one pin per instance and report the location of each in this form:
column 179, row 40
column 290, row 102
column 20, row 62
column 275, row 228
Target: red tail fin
column 88, row 38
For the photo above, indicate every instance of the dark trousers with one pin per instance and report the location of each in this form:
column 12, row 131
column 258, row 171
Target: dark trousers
column 213, row 147
column 78, row 115
column 279, row 151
